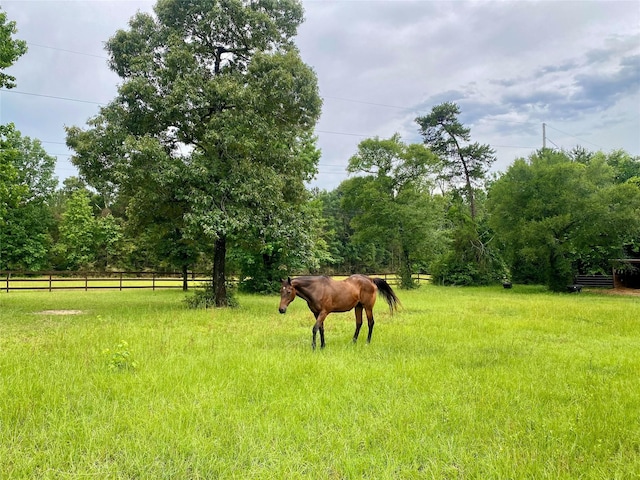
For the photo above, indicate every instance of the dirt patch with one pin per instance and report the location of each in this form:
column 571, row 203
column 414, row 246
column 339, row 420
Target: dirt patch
column 60, row 312
column 634, row 292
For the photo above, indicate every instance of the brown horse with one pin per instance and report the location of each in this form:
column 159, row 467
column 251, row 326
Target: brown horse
column 325, row 295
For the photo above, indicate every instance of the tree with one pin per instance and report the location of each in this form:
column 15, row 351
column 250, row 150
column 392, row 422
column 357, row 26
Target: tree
column 471, row 256
column 26, row 185
column 460, row 162
column 293, row 241
column 85, row 239
column 11, row 191
column 392, row 203
column 10, row 50
column 346, row 256
column 556, row 217
column 214, row 94
column 78, row 230
column 463, row 168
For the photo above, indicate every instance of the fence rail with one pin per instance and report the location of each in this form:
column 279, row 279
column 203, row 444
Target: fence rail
column 55, row 280
column 605, row 281
column 50, row 281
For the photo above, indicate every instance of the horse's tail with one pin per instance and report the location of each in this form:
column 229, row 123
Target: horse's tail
column 387, row 293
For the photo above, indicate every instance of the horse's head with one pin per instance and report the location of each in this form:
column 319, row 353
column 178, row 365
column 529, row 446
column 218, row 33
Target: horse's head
column 287, row 295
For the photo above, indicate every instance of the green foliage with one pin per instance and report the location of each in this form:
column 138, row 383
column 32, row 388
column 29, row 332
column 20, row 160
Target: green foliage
column 225, row 83
column 291, row 239
column 394, row 213
column 11, row 190
column 460, row 163
column 26, row 185
column 120, row 358
column 205, row 297
column 463, row 167
column 555, row 217
column 86, row 241
column 25, row 242
column 77, row 233
column 471, row 258
column 347, row 254
column 10, row 50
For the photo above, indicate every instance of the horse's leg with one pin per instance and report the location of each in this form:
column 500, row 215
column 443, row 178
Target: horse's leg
column 370, row 322
column 319, row 326
column 358, row 322
column 322, row 334
column 315, row 329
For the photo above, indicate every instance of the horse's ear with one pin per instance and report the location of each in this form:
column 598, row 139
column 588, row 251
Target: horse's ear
column 289, row 280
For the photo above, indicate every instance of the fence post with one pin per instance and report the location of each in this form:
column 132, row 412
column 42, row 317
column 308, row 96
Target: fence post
column 153, row 282
column 86, row 282
column 120, row 281
column 50, row 279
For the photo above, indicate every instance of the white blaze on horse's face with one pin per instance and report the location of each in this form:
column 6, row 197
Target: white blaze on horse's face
column 287, row 295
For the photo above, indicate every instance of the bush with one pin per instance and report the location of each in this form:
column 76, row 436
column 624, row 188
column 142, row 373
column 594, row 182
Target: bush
column 204, row 297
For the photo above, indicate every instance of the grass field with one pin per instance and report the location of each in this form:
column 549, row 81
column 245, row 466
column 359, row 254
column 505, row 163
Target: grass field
column 462, row 383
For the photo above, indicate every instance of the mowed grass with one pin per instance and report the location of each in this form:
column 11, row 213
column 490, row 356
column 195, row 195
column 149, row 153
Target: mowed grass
column 461, row 383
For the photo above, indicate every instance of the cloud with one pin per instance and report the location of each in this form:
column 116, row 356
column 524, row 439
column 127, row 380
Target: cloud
column 604, row 89
column 509, row 65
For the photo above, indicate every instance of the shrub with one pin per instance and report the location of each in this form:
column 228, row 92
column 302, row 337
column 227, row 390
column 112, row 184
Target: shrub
column 204, row 297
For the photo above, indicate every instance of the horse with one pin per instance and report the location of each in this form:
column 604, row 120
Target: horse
column 325, row 295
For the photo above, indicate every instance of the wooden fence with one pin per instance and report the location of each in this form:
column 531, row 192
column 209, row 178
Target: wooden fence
column 602, row 281
column 56, row 280
column 50, row 281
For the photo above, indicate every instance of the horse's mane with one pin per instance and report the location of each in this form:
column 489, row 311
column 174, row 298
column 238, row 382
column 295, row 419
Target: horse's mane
column 304, row 284
column 305, row 280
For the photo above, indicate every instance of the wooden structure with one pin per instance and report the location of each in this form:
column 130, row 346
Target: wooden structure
column 626, row 273
column 601, row 281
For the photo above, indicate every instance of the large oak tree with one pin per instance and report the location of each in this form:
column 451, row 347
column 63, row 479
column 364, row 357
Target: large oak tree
column 216, row 99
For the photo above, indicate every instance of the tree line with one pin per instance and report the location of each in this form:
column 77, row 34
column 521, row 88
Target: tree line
column 203, row 158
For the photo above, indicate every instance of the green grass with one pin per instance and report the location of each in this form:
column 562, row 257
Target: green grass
column 461, row 383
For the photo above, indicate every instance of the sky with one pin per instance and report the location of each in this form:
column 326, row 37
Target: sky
column 511, row 66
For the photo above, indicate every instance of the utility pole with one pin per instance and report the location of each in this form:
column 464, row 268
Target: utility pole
column 544, row 135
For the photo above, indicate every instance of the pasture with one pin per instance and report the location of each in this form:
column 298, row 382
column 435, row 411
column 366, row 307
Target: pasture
column 462, row 383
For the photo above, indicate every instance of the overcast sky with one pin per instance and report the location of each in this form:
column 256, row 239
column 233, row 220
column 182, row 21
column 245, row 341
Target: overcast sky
column 510, row 66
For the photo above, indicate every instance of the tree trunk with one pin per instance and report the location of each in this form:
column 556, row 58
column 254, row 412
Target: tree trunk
column 185, row 278
column 472, row 200
column 469, row 187
column 406, row 274
column 219, row 281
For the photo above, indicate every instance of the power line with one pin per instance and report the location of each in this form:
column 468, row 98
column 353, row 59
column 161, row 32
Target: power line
column 513, row 146
column 325, row 96
column 368, row 103
column 318, row 131
column 67, row 51
column 50, row 96
column 343, row 133
column 551, row 141
column 577, row 138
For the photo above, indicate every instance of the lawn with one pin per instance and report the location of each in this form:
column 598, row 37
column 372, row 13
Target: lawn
column 461, row 383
